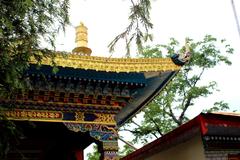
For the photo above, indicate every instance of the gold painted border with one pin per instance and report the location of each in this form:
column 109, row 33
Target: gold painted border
column 50, row 119
column 5, row 112
column 111, row 64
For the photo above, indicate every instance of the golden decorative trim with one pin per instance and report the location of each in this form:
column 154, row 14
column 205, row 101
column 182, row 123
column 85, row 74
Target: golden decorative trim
column 61, row 121
column 49, row 116
column 112, row 64
column 71, row 105
column 110, row 145
column 33, row 114
column 105, row 117
column 79, row 116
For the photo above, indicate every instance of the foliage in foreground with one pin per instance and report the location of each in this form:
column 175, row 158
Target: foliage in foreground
column 24, row 25
column 94, row 155
column 168, row 110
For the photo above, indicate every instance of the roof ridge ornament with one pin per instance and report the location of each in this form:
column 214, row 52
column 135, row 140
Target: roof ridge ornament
column 82, row 41
column 183, row 57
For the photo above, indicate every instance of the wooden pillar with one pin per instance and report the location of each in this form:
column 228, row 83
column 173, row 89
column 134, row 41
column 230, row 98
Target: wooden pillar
column 109, row 150
column 79, row 154
column 74, row 155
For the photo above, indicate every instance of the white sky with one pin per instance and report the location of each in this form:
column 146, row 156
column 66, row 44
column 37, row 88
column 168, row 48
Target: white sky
column 171, row 18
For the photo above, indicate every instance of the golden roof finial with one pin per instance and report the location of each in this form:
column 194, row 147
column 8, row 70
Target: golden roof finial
column 82, row 41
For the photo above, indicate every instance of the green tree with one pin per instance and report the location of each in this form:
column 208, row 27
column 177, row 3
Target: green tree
column 126, row 150
column 23, row 26
column 168, row 110
column 94, row 155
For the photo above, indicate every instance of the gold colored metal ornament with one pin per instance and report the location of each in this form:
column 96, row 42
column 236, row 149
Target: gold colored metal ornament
column 82, row 41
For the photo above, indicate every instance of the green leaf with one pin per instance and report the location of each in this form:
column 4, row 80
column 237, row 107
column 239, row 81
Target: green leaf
column 168, row 110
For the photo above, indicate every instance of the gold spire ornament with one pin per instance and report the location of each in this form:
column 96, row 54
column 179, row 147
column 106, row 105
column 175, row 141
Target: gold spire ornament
column 82, row 41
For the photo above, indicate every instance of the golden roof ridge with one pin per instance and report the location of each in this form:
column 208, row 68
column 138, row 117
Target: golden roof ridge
column 112, row 64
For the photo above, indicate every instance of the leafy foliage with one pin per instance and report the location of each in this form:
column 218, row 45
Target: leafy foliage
column 125, row 151
column 138, row 28
column 94, row 155
column 168, row 110
column 9, row 135
column 218, row 106
column 24, row 25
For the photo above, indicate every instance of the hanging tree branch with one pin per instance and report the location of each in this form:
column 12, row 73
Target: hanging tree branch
column 138, row 29
column 189, row 98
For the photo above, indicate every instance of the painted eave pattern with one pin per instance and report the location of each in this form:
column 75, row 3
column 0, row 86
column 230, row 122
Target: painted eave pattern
column 110, row 64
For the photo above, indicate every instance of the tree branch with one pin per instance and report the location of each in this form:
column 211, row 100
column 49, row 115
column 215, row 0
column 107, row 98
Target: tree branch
column 124, row 129
column 135, row 123
column 187, row 104
column 156, row 125
column 189, row 99
column 199, row 77
column 171, row 114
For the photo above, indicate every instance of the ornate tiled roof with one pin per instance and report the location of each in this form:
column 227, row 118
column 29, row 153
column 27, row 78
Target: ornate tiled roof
column 111, row 64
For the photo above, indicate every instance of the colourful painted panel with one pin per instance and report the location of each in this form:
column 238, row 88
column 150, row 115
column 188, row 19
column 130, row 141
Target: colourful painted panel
column 61, row 116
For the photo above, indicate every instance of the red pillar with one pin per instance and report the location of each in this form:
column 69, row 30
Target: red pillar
column 79, row 154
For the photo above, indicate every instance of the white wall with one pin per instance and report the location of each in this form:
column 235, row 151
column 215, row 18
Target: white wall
column 189, row 150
